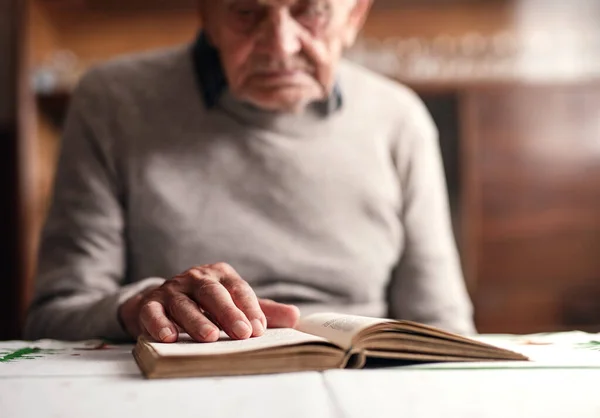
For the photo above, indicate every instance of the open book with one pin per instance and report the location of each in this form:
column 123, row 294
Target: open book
column 319, row 342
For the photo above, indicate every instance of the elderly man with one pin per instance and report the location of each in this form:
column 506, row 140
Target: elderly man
column 284, row 180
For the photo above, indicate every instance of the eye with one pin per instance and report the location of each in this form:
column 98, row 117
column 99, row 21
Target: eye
column 313, row 14
column 245, row 15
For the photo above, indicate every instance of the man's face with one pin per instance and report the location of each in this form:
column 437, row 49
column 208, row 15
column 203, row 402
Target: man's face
column 282, row 54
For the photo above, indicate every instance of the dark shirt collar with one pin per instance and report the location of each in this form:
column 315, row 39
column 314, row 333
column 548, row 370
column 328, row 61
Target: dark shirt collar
column 212, row 81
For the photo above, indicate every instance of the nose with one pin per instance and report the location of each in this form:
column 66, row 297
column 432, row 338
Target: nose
column 280, row 34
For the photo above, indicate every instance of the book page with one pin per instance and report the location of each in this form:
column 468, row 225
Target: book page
column 337, row 328
column 562, row 350
column 272, row 338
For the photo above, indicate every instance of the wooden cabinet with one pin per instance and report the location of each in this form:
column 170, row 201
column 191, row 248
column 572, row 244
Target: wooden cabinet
column 531, row 205
column 523, row 169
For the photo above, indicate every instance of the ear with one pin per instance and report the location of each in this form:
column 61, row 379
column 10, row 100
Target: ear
column 356, row 20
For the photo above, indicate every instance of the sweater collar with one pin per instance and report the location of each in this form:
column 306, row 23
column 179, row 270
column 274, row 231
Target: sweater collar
column 211, row 78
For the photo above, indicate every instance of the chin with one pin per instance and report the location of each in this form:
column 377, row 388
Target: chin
column 281, row 106
column 282, row 101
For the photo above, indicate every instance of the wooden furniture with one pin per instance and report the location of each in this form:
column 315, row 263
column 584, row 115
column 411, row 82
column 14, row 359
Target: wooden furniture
column 531, row 180
column 13, row 181
column 523, row 167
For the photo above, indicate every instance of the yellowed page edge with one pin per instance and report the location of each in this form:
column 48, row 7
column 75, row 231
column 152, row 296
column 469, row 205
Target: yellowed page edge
column 186, row 347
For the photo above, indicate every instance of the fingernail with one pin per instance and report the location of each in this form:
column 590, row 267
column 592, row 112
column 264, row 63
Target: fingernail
column 164, row 333
column 206, row 331
column 257, row 327
column 241, row 329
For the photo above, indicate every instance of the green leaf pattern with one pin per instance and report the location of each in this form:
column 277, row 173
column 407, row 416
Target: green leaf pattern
column 26, row 353
column 591, row 345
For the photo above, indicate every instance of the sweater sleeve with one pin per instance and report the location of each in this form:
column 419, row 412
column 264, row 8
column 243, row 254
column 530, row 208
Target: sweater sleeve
column 428, row 284
column 81, row 261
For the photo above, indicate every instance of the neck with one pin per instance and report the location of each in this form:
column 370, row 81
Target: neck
column 301, row 122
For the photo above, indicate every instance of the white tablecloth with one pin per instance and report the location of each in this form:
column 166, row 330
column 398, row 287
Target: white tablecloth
column 73, row 381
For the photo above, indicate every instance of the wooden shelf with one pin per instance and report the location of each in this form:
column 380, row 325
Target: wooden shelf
column 119, row 5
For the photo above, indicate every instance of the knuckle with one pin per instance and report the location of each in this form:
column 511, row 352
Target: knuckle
column 208, row 287
column 196, row 273
column 152, row 296
column 176, row 304
column 171, row 286
column 223, row 268
column 240, row 290
column 200, row 273
column 149, row 307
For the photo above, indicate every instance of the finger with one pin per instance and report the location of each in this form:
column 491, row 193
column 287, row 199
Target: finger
column 211, row 296
column 245, row 299
column 279, row 315
column 156, row 323
column 187, row 315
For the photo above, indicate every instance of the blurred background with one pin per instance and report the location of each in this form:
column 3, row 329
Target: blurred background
column 513, row 85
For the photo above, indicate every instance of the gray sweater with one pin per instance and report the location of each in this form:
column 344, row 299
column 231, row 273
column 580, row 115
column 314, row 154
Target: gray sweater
column 346, row 212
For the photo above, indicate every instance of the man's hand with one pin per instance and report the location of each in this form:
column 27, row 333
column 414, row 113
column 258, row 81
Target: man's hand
column 199, row 302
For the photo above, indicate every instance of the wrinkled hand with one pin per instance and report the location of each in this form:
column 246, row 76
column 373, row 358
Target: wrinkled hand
column 200, row 301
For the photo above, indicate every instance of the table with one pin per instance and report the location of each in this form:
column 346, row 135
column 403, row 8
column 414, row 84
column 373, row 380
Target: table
column 93, row 380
